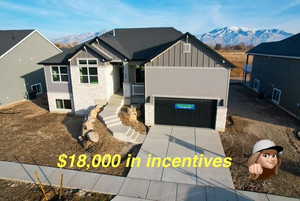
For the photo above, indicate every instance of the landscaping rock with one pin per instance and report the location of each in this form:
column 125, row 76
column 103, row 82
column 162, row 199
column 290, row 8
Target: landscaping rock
column 132, row 112
column 93, row 113
column 88, row 125
column 80, row 193
column 93, row 136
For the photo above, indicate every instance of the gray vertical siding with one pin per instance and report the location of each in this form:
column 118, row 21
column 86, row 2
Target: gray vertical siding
column 174, row 56
column 19, row 68
column 279, row 73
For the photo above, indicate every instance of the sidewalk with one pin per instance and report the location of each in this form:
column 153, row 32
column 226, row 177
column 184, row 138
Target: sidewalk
column 129, row 189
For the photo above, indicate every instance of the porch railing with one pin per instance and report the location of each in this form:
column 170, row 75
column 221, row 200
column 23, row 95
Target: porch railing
column 138, row 89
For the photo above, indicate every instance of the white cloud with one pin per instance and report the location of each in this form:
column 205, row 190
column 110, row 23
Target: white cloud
column 28, row 9
column 116, row 13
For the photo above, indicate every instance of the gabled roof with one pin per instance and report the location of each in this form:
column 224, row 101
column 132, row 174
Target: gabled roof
column 222, row 60
column 10, row 38
column 140, row 43
column 63, row 57
column 289, row 47
column 135, row 44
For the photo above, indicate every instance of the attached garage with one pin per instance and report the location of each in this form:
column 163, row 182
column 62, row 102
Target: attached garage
column 187, row 85
column 185, row 112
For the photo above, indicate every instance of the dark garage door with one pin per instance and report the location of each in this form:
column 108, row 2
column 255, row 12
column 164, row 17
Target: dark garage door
column 185, row 112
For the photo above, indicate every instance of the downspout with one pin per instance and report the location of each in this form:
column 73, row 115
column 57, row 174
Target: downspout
column 70, row 86
column 245, row 71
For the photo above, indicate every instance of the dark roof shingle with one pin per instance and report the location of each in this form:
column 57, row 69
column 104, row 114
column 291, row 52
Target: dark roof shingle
column 9, row 38
column 63, row 57
column 289, row 47
column 140, row 43
column 135, row 44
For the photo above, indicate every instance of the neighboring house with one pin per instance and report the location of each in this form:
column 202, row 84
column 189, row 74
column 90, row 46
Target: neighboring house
column 21, row 76
column 180, row 80
column 276, row 72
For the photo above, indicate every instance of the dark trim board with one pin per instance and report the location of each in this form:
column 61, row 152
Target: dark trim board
column 185, row 112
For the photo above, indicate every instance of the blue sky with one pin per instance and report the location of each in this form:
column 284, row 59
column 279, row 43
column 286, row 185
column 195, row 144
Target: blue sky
column 55, row 18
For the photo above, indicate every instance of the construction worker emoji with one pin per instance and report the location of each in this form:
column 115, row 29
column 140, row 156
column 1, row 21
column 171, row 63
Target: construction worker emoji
column 265, row 160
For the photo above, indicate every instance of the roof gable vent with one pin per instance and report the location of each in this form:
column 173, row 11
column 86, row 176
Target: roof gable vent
column 186, row 48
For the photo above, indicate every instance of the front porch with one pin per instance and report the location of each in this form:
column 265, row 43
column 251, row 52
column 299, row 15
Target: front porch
column 133, row 84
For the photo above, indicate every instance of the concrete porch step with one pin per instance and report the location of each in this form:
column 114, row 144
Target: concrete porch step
column 120, row 129
column 114, row 124
column 141, row 139
column 130, row 133
column 106, row 113
column 109, row 117
column 112, row 120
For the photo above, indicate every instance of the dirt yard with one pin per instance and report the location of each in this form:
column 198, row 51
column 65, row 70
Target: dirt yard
column 238, row 58
column 30, row 134
column 254, row 119
column 18, row 191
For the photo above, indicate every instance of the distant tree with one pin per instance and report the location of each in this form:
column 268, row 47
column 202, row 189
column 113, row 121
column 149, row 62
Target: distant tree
column 73, row 44
column 68, row 45
column 218, row 46
column 59, row 45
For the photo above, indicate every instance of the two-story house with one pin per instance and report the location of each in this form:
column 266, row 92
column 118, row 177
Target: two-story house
column 276, row 72
column 180, row 80
column 21, row 75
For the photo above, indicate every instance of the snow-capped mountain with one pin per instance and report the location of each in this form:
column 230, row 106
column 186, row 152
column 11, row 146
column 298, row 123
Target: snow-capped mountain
column 224, row 36
column 77, row 38
column 237, row 35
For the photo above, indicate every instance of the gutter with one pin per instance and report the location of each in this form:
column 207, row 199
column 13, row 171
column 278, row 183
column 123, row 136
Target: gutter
column 271, row 55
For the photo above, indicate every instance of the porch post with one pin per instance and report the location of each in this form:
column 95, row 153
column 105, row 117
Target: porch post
column 126, row 84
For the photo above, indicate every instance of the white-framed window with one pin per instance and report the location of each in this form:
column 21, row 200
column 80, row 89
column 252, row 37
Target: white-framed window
column 88, row 71
column 276, row 94
column 88, row 61
column 256, row 84
column 63, row 104
column 37, row 88
column 59, row 74
column 187, row 48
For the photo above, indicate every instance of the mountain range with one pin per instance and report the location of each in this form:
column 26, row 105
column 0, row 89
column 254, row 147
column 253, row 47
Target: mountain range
column 225, row 36
column 77, row 38
column 237, row 35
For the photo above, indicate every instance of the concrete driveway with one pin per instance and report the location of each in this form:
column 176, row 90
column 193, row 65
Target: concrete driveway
column 174, row 141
